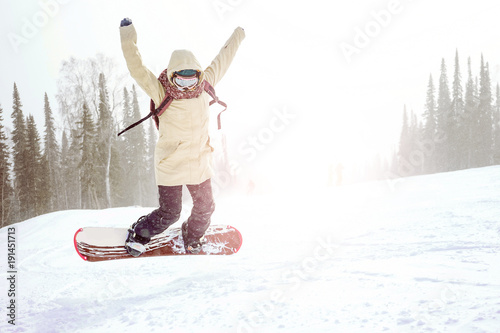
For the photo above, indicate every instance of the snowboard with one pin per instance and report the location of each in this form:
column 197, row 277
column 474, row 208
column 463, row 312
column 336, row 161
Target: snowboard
column 105, row 243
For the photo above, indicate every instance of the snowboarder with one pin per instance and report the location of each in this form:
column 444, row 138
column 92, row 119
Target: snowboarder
column 183, row 151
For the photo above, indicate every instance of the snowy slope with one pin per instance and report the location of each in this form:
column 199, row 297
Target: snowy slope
column 410, row 255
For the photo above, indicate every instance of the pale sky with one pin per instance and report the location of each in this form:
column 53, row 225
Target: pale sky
column 342, row 70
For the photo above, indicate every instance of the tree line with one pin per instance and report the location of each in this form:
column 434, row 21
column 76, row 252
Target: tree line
column 460, row 125
column 81, row 164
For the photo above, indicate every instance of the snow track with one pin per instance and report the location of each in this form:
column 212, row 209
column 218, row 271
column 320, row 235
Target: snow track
column 410, row 255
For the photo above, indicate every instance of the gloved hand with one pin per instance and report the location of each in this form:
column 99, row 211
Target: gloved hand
column 126, row 21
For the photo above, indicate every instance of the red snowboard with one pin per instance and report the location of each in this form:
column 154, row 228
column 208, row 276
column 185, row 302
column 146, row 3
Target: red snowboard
column 102, row 243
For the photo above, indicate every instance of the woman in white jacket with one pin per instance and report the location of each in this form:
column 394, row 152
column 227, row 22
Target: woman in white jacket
column 183, row 151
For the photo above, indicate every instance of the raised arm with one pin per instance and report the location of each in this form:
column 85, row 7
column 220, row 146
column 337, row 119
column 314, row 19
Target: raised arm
column 143, row 76
column 219, row 66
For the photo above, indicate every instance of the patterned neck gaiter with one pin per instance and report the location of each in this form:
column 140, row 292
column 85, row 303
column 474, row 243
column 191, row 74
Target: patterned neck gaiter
column 184, row 87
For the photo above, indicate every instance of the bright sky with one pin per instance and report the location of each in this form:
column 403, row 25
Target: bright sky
column 314, row 82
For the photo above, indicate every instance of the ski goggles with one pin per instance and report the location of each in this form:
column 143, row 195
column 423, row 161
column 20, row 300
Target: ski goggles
column 186, row 79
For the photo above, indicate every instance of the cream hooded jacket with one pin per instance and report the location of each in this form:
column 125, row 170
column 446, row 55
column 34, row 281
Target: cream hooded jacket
column 183, row 151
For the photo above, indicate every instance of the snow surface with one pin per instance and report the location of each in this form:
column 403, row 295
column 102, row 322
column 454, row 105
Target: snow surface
column 420, row 254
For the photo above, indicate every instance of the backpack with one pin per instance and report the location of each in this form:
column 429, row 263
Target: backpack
column 167, row 100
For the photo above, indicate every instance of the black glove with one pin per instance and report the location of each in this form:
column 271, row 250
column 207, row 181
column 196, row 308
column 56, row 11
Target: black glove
column 126, row 21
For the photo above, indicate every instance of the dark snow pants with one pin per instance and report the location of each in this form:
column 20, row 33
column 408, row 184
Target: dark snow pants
column 170, row 210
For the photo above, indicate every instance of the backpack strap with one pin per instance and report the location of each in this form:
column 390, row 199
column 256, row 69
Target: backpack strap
column 167, row 100
column 155, row 113
column 211, row 91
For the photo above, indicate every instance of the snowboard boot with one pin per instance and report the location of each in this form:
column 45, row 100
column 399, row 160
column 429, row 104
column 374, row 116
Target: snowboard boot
column 192, row 244
column 135, row 244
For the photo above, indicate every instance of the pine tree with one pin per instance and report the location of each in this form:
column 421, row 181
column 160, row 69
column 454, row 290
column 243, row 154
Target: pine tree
column 484, row 113
column 20, row 157
column 457, row 111
column 105, row 131
column 125, row 147
column 417, row 156
column 457, row 103
column 430, row 126
column 88, row 176
column 117, row 174
column 70, row 160
column 52, row 156
column 64, row 204
column 444, row 121
column 468, row 121
column 37, row 175
column 139, row 153
column 134, row 148
column 6, row 187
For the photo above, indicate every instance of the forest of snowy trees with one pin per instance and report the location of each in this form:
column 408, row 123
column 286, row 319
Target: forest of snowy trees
column 81, row 163
column 460, row 128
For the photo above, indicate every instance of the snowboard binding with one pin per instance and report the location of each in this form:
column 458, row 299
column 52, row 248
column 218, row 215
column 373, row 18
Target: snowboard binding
column 192, row 245
column 135, row 244
column 135, row 249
